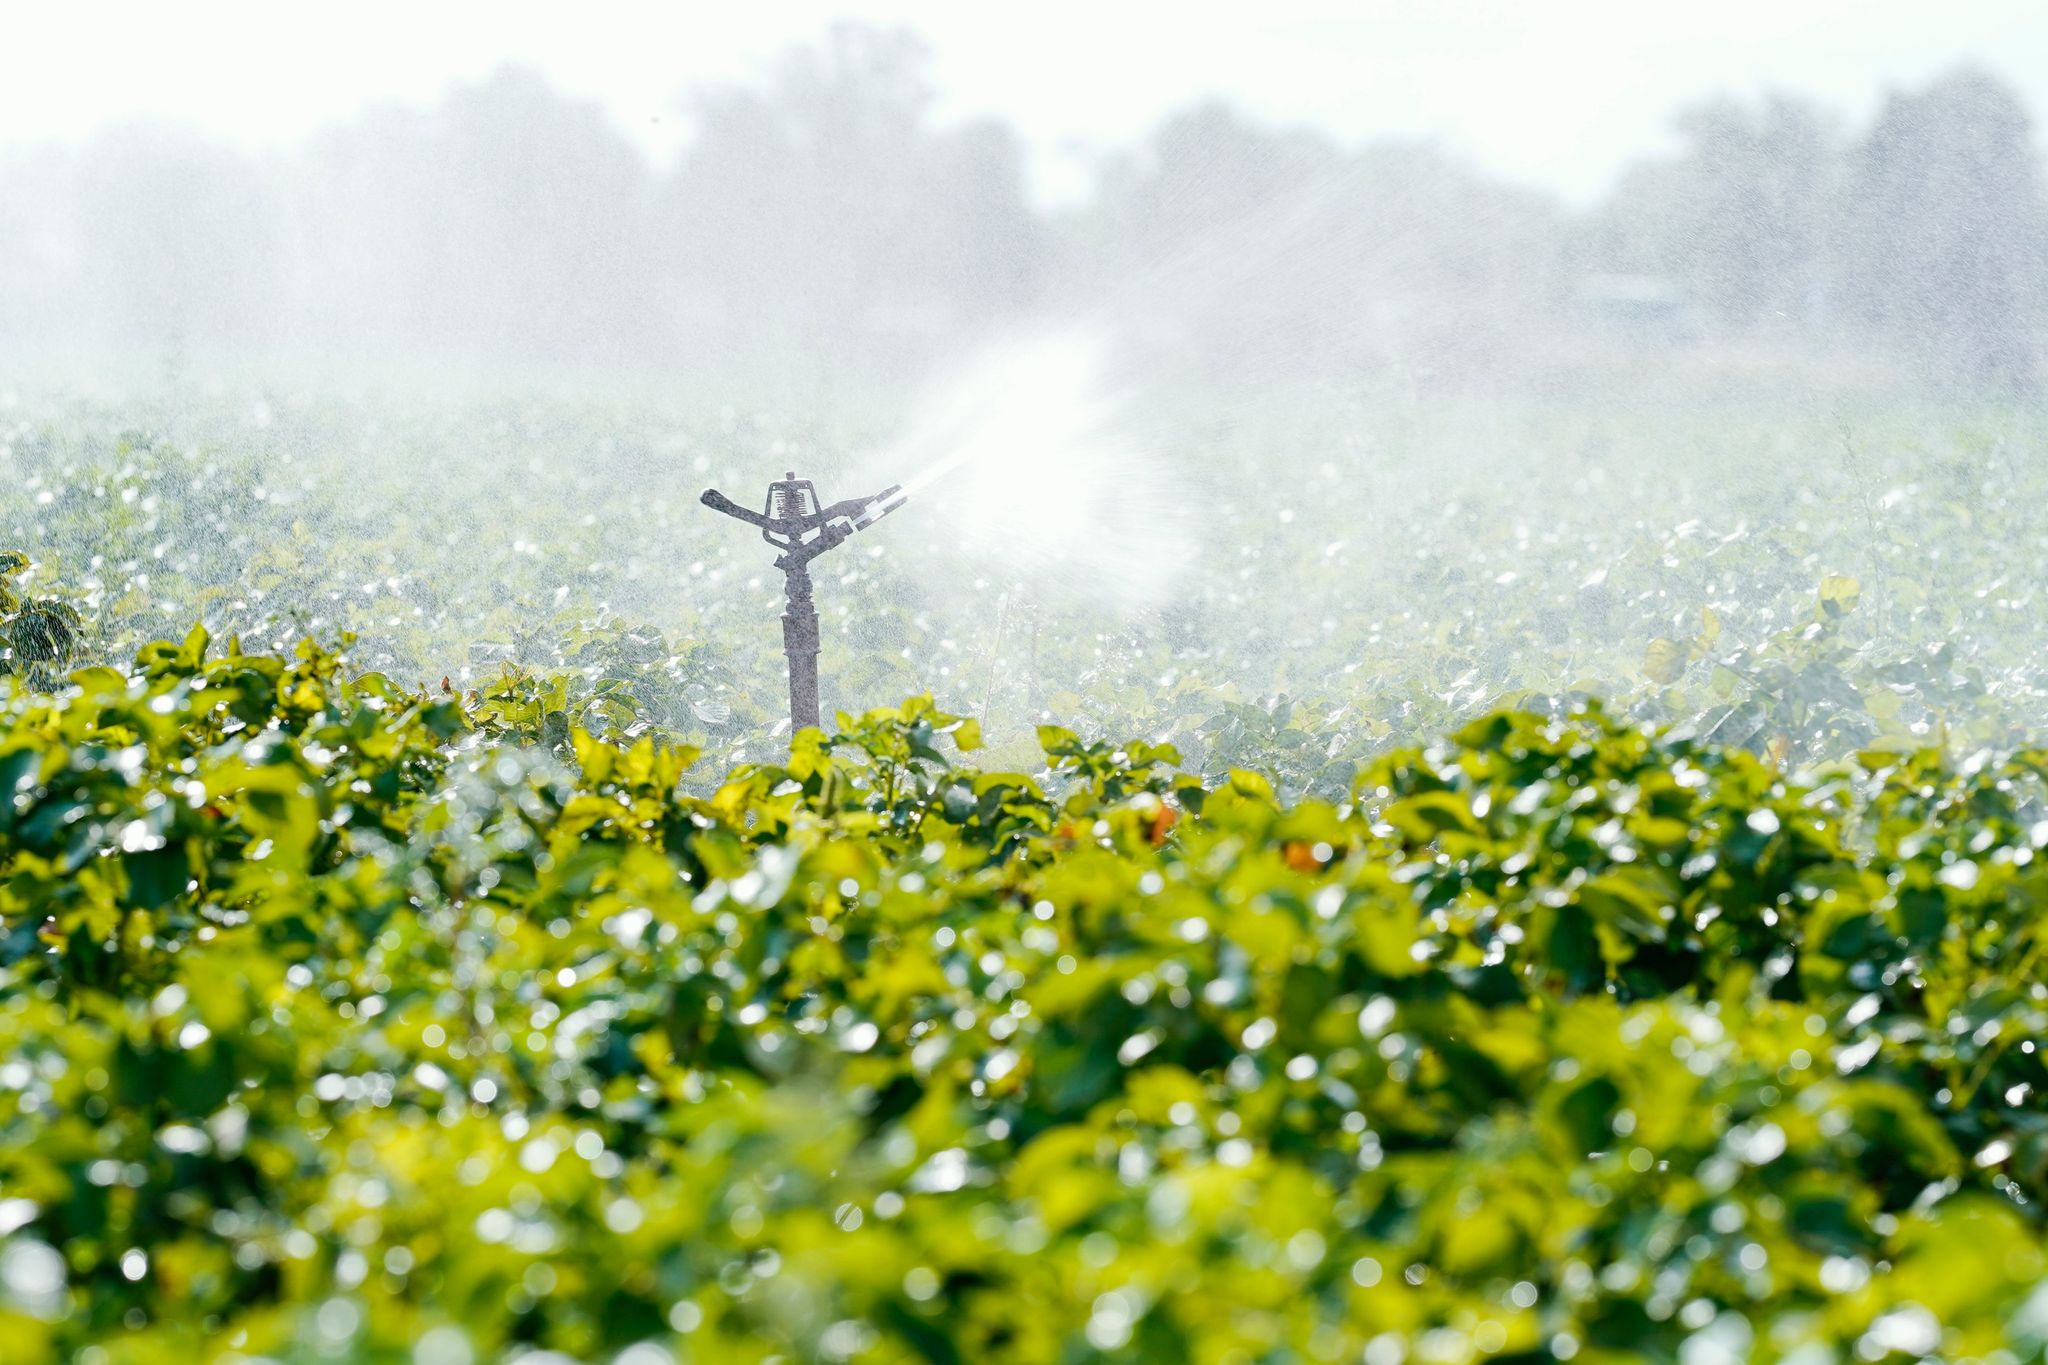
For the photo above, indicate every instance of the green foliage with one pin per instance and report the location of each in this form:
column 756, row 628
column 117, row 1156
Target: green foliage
column 1494, row 556
column 1380, row 996
column 340, row 1019
column 39, row 636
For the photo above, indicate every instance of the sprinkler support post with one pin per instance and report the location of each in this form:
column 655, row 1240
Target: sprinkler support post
column 793, row 521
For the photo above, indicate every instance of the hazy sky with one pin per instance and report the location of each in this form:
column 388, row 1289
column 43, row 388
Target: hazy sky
column 1558, row 92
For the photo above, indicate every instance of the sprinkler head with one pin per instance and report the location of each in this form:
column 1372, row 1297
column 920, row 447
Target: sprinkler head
column 792, row 520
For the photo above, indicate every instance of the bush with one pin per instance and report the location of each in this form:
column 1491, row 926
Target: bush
column 345, row 1021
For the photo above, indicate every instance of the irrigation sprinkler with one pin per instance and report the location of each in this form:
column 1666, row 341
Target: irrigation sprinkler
column 795, row 524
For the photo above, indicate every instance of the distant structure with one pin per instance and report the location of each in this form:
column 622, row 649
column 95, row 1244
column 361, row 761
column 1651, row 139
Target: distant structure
column 1638, row 310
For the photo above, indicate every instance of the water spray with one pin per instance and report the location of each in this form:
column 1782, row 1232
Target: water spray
column 793, row 521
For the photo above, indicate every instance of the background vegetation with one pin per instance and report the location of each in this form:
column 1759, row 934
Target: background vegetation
column 822, row 227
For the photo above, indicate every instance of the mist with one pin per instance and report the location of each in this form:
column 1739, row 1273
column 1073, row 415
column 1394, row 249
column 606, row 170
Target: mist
column 822, row 228
column 1259, row 413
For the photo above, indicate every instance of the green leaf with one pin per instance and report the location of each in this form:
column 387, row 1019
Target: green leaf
column 1839, row 594
column 1665, row 660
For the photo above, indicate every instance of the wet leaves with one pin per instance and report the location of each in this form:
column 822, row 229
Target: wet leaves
column 1388, row 999
column 338, row 1016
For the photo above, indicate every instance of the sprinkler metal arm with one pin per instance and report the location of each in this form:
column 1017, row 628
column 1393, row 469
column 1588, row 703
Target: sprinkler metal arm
column 858, row 513
column 826, row 528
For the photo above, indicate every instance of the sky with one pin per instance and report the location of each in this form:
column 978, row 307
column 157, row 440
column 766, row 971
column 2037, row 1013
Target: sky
column 1559, row 93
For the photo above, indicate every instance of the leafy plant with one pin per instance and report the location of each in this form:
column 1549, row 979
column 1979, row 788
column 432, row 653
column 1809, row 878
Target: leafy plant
column 1317, row 971
column 39, row 636
column 341, row 1019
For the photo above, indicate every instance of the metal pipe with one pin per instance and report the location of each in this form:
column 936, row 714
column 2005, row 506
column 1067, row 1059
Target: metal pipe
column 800, row 647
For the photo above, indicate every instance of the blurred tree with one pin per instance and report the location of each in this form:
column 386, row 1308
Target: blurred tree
column 178, row 243
column 1945, row 231
column 823, row 219
column 547, row 205
column 1204, row 169
column 1268, row 252
column 1756, row 208
column 1740, row 218
column 38, row 251
column 510, row 223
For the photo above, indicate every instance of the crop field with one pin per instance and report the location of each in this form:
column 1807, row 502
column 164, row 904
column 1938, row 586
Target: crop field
column 1449, row 881
column 1290, row 587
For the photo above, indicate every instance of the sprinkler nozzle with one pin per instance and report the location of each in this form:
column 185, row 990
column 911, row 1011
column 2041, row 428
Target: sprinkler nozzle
column 881, row 505
column 719, row 502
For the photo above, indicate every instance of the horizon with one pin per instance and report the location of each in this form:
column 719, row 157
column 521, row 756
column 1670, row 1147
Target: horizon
column 1472, row 79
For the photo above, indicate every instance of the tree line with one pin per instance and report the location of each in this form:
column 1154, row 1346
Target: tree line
column 824, row 220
